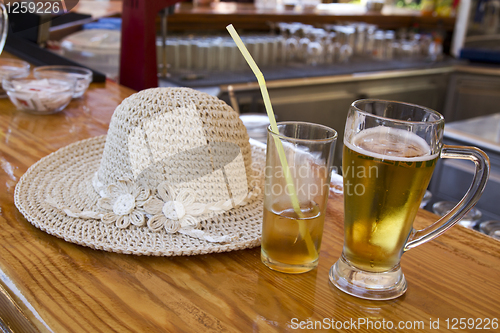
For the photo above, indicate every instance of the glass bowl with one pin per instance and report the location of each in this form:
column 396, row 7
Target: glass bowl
column 82, row 76
column 490, row 228
column 375, row 6
column 470, row 220
column 13, row 68
column 39, row 96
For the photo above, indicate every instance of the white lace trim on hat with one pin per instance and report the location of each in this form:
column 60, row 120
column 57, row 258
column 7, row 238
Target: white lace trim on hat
column 126, row 203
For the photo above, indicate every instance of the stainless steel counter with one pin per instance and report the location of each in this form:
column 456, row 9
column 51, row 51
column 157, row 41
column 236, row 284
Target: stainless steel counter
column 483, row 132
column 452, row 178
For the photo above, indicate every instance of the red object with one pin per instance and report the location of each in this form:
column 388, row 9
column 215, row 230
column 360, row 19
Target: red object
column 138, row 69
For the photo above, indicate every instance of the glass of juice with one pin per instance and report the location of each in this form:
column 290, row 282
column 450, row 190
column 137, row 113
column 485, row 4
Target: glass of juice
column 295, row 195
column 390, row 151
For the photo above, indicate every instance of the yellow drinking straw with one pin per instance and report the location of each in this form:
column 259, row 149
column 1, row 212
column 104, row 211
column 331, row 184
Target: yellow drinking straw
column 281, row 152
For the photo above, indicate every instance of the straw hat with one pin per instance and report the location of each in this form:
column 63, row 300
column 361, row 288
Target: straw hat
column 175, row 175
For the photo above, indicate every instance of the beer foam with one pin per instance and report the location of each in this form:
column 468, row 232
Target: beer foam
column 389, row 143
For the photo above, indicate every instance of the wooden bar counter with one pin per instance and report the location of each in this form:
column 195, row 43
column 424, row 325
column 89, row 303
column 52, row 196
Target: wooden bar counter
column 58, row 286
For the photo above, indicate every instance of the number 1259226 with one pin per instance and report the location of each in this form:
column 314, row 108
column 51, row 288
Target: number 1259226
column 471, row 323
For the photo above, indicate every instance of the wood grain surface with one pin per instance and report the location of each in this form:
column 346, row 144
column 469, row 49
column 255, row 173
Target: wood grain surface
column 63, row 287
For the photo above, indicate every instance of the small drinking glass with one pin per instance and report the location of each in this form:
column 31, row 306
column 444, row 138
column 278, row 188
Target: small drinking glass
column 315, row 50
column 291, row 237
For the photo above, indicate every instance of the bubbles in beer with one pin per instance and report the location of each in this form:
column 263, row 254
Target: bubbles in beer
column 391, row 142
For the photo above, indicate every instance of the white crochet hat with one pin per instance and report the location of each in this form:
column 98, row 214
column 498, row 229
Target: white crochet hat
column 175, row 175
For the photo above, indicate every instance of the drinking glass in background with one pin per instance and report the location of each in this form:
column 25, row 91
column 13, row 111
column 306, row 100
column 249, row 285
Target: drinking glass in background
column 12, row 68
column 315, row 54
column 390, row 151
column 296, row 45
column 291, row 239
column 203, row 3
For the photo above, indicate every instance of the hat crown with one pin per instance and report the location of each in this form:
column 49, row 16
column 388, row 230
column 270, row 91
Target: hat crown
column 181, row 137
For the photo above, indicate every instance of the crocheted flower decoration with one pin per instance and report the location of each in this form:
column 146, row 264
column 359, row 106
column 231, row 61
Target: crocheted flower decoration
column 173, row 212
column 124, row 199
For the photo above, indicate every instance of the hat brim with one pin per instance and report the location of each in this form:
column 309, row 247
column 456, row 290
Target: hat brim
column 67, row 176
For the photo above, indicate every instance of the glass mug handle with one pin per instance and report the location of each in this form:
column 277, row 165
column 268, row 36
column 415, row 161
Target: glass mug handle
column 482, row 163
column 4, row 26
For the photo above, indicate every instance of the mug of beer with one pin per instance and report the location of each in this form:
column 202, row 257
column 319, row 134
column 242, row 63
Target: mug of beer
column 390, row 151
column 295, row 195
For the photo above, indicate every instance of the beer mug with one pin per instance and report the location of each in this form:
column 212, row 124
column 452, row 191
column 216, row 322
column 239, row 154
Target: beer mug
column 390, row 151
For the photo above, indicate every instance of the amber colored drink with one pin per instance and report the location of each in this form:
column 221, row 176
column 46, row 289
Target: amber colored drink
column 386, row 172
column 291, row 244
